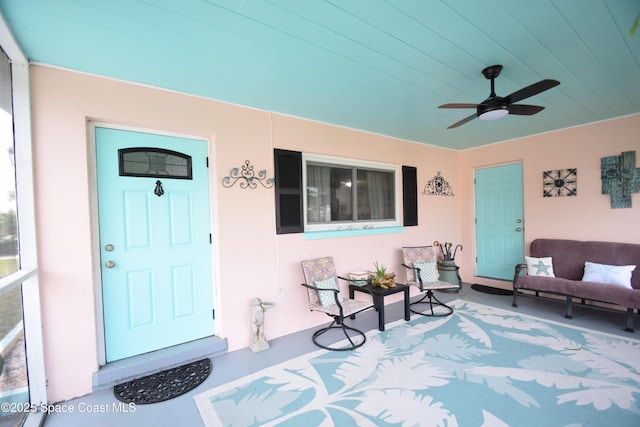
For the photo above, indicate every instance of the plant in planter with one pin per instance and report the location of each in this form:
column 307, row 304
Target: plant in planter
column 383, row 279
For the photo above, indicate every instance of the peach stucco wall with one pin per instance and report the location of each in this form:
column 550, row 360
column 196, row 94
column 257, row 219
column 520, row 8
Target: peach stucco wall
column 249, row 258
column 587, row 216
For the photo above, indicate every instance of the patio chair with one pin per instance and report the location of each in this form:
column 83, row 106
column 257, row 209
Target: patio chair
column 324, row 296
column 422, row 272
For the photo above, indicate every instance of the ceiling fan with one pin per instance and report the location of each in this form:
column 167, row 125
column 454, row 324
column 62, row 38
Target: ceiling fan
column 495, row 106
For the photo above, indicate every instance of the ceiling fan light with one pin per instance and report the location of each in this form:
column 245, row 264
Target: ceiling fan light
column 494, row 114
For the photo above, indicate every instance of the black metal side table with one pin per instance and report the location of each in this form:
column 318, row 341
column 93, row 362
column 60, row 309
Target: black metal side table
column 378, row 299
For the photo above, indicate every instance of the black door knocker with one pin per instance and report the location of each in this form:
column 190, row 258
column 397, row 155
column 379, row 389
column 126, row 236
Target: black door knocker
column 158, row 191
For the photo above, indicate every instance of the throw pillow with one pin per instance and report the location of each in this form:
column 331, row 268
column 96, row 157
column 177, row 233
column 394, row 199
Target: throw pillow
column 539, row 266
column 326, row 297
column 428, row 271
column 619, row 275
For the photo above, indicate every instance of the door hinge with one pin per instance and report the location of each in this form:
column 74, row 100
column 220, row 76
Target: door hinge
column 213, row 314
column 210, row 239
column 207, row 161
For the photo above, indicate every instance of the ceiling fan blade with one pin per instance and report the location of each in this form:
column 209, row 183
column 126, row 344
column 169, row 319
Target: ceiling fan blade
column 463, row 121
column 458, row 106
column 531, row 90
column 524, row 110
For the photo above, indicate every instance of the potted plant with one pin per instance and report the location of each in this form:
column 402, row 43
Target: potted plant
column 381, row 278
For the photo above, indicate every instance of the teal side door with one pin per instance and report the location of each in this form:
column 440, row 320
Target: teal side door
column 155, row 244
column 499, row 221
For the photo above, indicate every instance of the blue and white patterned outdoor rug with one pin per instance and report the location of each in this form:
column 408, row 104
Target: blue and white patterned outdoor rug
column 481, row 366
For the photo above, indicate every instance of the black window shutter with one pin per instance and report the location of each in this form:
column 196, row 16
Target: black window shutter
column 288, row 186
column 410, row 195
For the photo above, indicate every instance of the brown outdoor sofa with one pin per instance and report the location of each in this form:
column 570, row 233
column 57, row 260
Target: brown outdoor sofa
column 569, row 257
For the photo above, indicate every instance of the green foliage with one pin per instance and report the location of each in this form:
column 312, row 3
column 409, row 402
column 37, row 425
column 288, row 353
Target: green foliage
column 381, row 270
column 10, row 310
column 635, row 26
column 8, row 224
column 8, row 265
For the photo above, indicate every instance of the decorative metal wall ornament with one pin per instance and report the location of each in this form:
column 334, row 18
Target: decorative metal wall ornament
column 159, row 191
column 620, row 178
column 438, row 186
column 247, row 177
column 559, row 183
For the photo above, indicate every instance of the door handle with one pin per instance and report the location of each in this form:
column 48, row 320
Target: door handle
column 110, row 264
column 518, row 229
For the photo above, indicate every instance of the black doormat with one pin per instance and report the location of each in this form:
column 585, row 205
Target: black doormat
column 490, row 290
column 164, row 385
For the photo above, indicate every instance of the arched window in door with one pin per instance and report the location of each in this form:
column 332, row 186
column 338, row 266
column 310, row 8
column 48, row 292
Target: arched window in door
column 154, row 163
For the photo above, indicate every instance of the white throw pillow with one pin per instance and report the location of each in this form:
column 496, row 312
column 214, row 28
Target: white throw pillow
column 326, row 297
column 539, row 266
column 619, row 275
column 428, row 271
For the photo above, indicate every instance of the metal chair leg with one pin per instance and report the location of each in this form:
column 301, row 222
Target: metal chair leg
column 431, row 303
column 345, row 329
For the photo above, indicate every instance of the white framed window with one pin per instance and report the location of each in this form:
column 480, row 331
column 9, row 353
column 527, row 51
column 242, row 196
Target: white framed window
column 346, row 194
column 23, row 238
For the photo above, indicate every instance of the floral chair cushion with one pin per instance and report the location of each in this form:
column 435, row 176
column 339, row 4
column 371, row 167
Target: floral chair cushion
column 327, row 298
column 428, row 271
column 318, row 269
column 411, row 255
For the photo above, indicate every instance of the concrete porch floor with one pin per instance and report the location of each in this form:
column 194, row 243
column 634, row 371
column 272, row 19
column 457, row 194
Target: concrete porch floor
column 98, row 409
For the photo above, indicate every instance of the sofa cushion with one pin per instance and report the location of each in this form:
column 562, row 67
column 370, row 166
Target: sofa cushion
column 618, row 295
column 589, row 290
column 544, row 284
column 619, row 275
column 539, row 266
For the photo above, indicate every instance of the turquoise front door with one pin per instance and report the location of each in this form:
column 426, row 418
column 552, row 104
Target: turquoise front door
column 155, row 241
column 499, row 221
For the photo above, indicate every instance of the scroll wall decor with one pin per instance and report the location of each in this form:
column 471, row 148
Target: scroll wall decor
column 620, row 178
column 438, row 186
column 247, row 178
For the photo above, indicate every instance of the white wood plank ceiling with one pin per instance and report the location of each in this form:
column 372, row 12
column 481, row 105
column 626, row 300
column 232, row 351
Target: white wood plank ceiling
column 382, row 66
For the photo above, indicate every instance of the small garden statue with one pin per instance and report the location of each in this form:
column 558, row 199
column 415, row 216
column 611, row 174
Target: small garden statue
column 258, row 341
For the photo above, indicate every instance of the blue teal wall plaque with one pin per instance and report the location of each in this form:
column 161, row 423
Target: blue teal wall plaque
column 620, row 178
